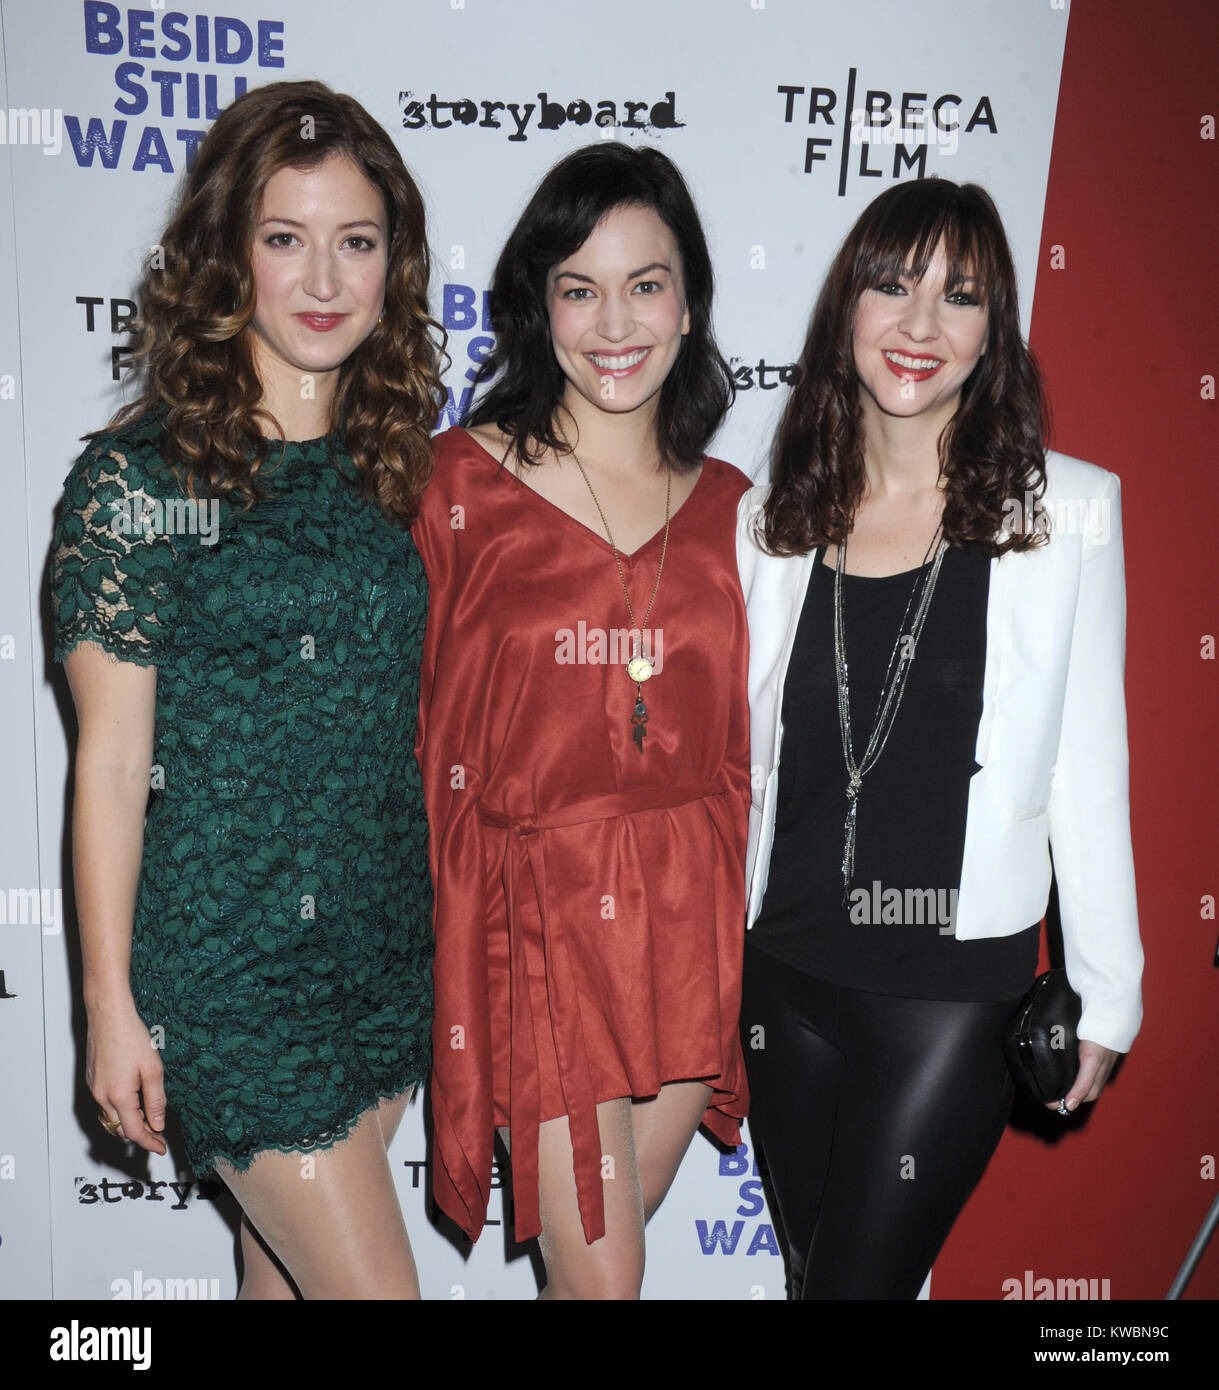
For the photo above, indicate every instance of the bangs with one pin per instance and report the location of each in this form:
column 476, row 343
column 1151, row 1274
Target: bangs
column 903, row 236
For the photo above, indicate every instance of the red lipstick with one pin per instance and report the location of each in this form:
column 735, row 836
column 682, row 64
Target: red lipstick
column 321, row 323
column 907, row 372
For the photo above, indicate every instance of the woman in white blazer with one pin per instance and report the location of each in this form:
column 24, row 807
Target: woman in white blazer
column 899, row 858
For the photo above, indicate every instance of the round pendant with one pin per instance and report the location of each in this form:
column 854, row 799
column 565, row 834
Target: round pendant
column 639, row 668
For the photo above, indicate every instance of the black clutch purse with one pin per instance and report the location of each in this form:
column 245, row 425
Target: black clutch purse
column 1040, row 1042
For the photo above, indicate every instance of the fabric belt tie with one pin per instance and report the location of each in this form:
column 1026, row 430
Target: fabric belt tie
column 527, row 846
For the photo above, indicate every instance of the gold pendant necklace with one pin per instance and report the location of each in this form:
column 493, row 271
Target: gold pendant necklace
column 639, row 668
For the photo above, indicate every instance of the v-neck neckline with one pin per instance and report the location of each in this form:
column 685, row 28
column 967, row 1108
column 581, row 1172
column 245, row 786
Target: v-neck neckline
column 628, row 557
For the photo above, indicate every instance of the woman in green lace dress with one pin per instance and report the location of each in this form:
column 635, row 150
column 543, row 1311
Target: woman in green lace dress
column 241, row 608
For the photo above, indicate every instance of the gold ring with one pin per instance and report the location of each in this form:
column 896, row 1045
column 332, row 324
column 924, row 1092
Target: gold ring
column 113, row 1128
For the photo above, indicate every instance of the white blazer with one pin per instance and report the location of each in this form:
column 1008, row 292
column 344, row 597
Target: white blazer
column 1051, row 740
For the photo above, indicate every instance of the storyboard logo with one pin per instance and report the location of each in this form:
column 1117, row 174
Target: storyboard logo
column 160, row 69
column 878, row 134
column 762, row 375
column 522, row 118
column 112, row 1192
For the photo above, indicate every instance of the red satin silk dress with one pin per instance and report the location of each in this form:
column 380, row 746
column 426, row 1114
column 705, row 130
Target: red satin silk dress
column 589, row 903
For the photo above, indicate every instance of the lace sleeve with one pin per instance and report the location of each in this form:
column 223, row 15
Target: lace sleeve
column 112, row 566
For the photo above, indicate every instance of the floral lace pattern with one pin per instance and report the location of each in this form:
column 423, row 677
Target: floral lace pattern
column 282, row 932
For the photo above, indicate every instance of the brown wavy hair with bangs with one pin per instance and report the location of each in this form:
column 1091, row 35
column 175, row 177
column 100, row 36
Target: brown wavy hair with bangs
column 993, row 448
column 193, row 337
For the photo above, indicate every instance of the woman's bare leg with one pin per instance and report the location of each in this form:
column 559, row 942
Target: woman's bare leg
column 330, row 1219
column 642, row 1144
column 664, row 1126
column 612, row 1267
column 390, row 1112
column 263, row 1278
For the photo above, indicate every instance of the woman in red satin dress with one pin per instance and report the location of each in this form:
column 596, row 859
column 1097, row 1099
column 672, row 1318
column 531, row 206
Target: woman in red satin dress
column 588, row 822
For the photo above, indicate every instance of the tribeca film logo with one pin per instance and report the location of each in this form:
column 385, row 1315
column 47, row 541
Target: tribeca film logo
column 866, row 131
column 437, row 113
column 122, row 321
column 32, row 126
column 910, row 124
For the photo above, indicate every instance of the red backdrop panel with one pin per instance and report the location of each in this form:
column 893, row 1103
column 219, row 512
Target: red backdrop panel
column 1126, row 331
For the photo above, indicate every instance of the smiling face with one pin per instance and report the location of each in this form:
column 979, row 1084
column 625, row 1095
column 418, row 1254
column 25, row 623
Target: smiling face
column 916, row 343
column 318, row 257
column 617, row 312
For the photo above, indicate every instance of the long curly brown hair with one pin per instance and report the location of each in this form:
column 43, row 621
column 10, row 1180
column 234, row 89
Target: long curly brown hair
column 197, row 299
column 991, row 451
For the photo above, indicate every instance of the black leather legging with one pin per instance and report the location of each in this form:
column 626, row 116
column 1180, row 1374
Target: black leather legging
column 876, row 1116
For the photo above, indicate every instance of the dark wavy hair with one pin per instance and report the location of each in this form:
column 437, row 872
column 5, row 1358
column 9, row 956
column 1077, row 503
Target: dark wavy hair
column 991, row 451
column 192, row 345
column 526, row 379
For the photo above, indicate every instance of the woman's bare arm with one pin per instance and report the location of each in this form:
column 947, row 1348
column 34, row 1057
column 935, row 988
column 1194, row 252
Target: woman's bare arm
column 115, row 707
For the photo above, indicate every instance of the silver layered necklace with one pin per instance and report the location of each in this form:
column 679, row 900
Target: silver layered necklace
column 900, row 660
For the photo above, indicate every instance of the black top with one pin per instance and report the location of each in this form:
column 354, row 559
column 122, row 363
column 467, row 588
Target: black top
column 894, row 935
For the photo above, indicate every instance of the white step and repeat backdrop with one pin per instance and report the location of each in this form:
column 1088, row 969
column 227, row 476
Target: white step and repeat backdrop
column 103, row 106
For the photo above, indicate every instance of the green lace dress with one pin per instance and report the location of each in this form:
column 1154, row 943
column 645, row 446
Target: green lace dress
column 282, row 933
